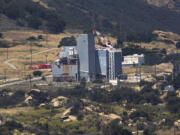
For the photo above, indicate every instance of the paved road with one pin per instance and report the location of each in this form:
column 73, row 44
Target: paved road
column 23, row 81
column 19, row 82
column 9, row 64
column 10, row 80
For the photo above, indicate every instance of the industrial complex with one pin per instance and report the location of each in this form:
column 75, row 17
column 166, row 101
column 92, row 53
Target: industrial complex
column 87, row 61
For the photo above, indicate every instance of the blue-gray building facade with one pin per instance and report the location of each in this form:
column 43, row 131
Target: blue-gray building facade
column 86, row 54
column 102, row 62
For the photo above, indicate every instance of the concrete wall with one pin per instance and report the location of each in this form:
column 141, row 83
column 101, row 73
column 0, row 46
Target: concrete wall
column 56, row 69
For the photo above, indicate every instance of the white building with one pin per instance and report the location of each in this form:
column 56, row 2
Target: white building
column 67, row 51
column 131, row 60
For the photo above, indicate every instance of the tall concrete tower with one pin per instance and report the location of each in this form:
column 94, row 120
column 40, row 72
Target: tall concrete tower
column 86, row 51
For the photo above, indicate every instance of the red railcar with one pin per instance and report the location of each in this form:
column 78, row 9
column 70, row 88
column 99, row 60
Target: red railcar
column 40, row 66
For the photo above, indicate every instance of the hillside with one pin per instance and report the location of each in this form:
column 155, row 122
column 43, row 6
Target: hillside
column 161, row 3
column 27, row 13
column 172, row 4
column 118, row 17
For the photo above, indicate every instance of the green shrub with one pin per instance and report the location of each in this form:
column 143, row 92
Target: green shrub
column 1, row 35
column 40, row 37
column 37, row 73
column 31, row 38
column 68, row 41
column 3, row 44
column 178, row 45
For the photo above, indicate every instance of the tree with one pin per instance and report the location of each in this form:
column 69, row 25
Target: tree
column 34, row 22
column 113, row 128
column 3, row 44
column 9, row 126
column 176, row 82
column 83, row 83
column 119, row 42
column 163, row 51
column 173, row 102
column 31, row 38
column 1, row 35
column 148, row 132
column 37, row 73
column 137, row 114
column 178, row 45
column 55, row 24
column 40, row 37
column 67, row 41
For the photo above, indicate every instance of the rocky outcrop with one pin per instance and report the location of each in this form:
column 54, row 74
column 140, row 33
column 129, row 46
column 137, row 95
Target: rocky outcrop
column 59, row 101
column 161, row 3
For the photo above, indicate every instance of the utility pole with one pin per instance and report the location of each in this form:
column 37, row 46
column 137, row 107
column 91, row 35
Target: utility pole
column 137, row 132
column 174, row 130
column 136, row 70
column 5, row 75
column 7, row 52
column 46, row 39
column 46, row 55
column 155, row 71
column 30, row 82
column 31, row 51
column 140, row 72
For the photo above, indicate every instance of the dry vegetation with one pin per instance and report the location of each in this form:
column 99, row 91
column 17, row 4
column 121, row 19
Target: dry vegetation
column 165, row 40
column 19, row 54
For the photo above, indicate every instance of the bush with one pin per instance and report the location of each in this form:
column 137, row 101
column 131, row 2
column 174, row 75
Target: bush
column 176, row 82
column 7, row 100
column 148, row 132
column 138, row 114
column 113, row 128
column 40, row 37
column 173, row 102
column 9, row 127
column 83, row 83
column 31, row 38
column 3, row 44
column 37, row 73
column 1, row 35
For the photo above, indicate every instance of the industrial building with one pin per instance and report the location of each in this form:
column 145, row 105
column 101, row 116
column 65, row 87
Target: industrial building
column 86, row 53
column 131, row 60
column 87, row 61
column 102, row 62
column 115, row 63
column 66, row 68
